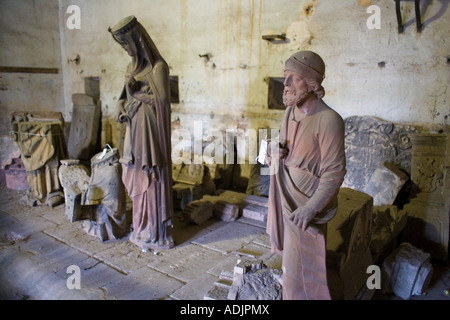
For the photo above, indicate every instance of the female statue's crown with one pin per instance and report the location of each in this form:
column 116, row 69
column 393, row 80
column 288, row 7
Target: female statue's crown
column 124, row 25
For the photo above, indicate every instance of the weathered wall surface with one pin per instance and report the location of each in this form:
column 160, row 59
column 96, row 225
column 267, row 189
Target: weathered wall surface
column 397, row 77
column 29, row 38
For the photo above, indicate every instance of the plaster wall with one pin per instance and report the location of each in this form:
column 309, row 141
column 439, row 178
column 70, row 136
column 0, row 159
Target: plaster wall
column 397, row 77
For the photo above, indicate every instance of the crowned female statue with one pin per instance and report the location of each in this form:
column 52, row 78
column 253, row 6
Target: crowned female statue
column 144, row 106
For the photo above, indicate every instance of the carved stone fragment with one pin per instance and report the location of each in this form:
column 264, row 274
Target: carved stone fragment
column 406, row 272
column 385, row 184
column 40, row 138
column 370, row 141
column 252, row 280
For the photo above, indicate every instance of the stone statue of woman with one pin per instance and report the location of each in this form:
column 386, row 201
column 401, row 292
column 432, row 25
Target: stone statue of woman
column 146, row 160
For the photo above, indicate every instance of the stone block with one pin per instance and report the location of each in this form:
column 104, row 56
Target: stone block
column 348, row 239
column 229, row 205
column 16, row 175
column 385, row 183
column 225, row 211
column 186, row 193
column 255, row 212
column 243, row 198
column 74, row 178
column 258, row 184
column 198, row 211
column 351, row 204
column 245, row 266
column 387, row 223
column 406, row 272
column 182, row 196
column 191, row 174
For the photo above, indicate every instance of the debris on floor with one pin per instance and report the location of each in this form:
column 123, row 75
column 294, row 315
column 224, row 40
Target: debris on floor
column 250, row 280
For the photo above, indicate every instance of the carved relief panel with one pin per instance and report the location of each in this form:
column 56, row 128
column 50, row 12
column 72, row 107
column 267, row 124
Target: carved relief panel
column 369, row 142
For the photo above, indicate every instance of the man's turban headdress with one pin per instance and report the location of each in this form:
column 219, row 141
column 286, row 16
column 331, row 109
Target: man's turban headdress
column 307, row 63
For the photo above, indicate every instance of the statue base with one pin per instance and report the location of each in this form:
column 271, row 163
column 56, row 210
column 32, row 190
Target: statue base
column 143, row 241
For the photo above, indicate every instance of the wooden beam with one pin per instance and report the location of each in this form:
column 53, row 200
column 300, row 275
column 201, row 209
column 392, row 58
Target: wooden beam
column 28, row 70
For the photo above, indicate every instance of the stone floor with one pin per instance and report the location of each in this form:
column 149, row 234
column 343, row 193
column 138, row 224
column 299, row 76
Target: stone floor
column 38, row 245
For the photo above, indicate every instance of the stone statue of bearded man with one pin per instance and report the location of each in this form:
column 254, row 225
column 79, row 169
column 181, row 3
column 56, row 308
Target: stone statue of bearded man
column 310, row 168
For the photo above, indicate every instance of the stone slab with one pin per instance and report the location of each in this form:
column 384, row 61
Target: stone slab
column 253, row 251
column 84, row 127
column 72, row 235
column 195, row 289
column 39, row 269
column 186, row 262
column 39, row 223
column 225, row 265
column 253, row 222
column 230, row 237
column 217, row 293
column 263, row 240
column 185, row 232
column 125, row 257
column 143, row 284
column 239, row 197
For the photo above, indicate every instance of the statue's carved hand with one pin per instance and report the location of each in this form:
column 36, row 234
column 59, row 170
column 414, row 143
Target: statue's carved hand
column 275, row 148
column 133, row 85
column 302, row 217
column 120, row 113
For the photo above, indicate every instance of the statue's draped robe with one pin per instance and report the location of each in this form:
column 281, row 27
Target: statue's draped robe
column 310, row 175
column 147, row 168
